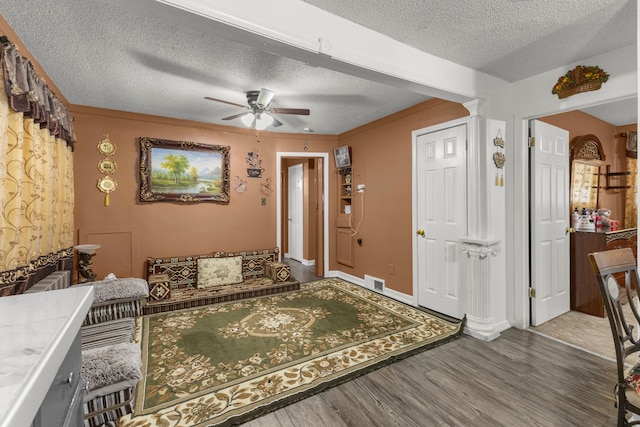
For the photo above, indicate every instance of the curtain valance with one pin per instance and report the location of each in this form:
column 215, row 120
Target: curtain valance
column 28, row 94
column 36, row 177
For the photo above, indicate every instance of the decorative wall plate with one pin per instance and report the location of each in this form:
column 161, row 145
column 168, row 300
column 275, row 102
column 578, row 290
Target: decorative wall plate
column 107, row 184
column 499, row 159
column 106, row 147
column 107, row 166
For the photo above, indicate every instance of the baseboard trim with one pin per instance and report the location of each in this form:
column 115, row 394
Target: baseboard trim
column 395, row 295
column 305, row 262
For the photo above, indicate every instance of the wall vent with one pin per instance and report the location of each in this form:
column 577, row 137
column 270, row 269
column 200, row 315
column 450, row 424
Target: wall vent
column 374, row 283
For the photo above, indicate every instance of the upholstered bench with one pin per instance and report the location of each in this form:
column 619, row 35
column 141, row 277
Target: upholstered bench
column 198, row 280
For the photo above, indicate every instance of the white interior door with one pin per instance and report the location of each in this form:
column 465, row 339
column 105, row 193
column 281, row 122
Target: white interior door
column 296, row 202
column 441, row 217
column 550, row 218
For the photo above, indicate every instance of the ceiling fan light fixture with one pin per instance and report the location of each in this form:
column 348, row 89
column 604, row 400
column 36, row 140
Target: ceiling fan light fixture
column 263, row 121
column 248, row 120
column 258, row 105
column 264, row 98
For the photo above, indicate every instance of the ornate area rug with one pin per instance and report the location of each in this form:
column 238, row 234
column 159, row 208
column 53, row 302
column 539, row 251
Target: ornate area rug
column 227, row 363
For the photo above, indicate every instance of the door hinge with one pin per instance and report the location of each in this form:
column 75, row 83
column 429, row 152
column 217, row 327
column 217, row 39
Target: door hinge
column 532, row 293
column 532, row 141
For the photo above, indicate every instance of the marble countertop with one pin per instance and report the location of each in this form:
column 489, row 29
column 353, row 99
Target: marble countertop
column 37, row 331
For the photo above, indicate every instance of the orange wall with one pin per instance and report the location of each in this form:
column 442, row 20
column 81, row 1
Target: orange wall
column 131, row 231
column 578, row 124
column 381, row 159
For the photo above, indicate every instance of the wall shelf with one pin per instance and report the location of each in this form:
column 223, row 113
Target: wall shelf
column 344, row 238
column 608, row 174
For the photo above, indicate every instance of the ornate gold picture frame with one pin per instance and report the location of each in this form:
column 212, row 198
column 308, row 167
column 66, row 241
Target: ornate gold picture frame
column 181, row 171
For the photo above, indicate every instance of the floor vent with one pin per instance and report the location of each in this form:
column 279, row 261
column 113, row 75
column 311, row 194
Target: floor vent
column 374, row 283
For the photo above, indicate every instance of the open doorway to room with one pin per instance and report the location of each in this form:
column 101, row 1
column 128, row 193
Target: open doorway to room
column 611, row 123
column 302, row 220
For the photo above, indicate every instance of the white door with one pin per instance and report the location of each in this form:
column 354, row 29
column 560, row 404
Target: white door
column 441, row 217
column 295, row 213
column 549, row 218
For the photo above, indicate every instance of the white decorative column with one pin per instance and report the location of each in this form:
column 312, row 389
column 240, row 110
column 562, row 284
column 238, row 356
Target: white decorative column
column 482, row 270
column 477, row 276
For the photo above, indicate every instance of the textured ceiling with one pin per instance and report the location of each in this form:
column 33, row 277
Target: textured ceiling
column 509, row 39
column 112, row 54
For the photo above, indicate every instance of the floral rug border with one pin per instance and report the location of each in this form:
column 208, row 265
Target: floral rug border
column 243, row 405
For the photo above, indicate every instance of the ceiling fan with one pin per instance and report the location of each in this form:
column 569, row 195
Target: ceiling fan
column 259, row 114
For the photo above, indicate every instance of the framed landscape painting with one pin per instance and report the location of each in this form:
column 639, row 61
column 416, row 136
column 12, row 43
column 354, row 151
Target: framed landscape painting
column 180, row 171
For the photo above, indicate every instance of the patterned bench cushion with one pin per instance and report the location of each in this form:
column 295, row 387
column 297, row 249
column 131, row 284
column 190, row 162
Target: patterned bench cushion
column 159, row 287
column 188, row 298
column 278, row 271
column 183, row 271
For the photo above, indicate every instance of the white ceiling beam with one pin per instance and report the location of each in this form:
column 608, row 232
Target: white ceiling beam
column 297, row 30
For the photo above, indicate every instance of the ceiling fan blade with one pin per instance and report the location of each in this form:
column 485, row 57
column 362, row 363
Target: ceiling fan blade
column 224, row 102
column 264, row 98
column 235, row 116
column 299, row 111
column 276, row 123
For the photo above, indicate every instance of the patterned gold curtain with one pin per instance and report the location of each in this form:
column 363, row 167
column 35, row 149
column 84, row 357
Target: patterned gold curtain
column 631, row 208
column 36, row 183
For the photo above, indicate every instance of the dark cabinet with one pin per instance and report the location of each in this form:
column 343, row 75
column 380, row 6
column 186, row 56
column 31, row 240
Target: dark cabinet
column 585, row 296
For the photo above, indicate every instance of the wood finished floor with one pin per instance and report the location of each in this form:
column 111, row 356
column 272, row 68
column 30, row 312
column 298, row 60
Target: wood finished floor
column 519, row 379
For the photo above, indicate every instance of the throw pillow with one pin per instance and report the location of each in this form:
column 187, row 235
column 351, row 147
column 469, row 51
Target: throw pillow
column 219, row 271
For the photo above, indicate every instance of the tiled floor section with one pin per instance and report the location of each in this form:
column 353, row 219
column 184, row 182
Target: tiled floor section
column 591, row 333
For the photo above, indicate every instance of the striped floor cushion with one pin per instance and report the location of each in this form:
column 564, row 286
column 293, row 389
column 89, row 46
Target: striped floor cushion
column 110, row 374
column 108, row 333
column 106, row 410
column 113, row 310
column 188, row 298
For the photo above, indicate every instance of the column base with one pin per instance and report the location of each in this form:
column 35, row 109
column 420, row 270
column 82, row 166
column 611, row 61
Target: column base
column 484, row 329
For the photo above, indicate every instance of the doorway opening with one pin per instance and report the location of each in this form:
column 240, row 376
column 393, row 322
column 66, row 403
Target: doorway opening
column 315, row 207
column 569, row 327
